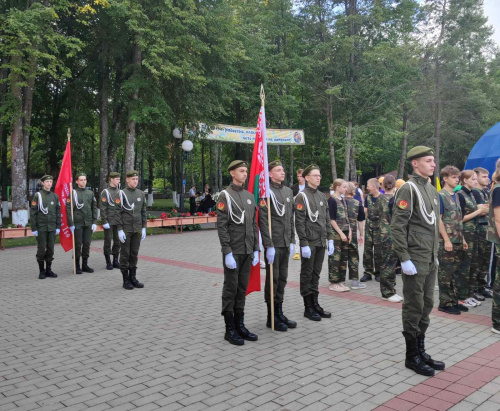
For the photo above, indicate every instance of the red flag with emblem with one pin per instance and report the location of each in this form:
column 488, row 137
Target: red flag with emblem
column 258, row 184
column 63, row 191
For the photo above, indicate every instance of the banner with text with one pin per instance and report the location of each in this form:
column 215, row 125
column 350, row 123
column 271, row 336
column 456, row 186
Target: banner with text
column 237, row 134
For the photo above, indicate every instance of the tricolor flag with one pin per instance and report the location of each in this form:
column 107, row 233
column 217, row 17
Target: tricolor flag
column 63, row 191
column 258, row 184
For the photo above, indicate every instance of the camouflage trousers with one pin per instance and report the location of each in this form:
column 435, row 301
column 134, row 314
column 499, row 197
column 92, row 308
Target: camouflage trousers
column 483, row 260
column 353, row 259
column 495, row 315
column 372, row 257
column 337, row 262
column 448, row 274
column 468, row 266
column 388, row 269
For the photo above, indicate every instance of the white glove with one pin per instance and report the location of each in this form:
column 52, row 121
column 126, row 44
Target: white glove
column 256, row 259
column 72, row 228
column 143, row 236
column 106, row 226
column 35, row 233
column 408, row 267
column 291, row 250
column 57, row 231
column 306, row 251
column 270, row 253
column 121, row 236
column 331, row 248
column 230, row 261
column 94, row 227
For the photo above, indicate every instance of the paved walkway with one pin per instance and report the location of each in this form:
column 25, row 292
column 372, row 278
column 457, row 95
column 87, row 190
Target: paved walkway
column 82, row 342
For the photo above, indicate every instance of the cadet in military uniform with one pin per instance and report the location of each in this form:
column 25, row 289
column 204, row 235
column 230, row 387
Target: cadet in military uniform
column 356, row 214
column 84, row 221
column 482, row 196
column 493, row 235
column 385, row 205
column 239, row 239
column 342, row 236
column 372, row 256
column 131, row 226
column 278, row 246
column 312, row 222
column 45, row 225
column 110, row 214
column 451, row 244
column 415, row 234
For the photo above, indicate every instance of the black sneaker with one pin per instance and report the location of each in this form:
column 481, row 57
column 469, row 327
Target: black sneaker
column 365, row 278
column 450, row 310
column 377, row 279
column 462, row 307
column 486, row 293
column 478, row 296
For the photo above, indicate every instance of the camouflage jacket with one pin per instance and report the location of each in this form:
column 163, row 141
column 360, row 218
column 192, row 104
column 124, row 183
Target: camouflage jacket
column 352, row 213
column 373, row 215
column 470, row 207
column 385, row 216
column 342, row 219
column 492, row 234
column 482, row 221
column 452, row 217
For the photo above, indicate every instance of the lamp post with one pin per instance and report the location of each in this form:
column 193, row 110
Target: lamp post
column 186, row 146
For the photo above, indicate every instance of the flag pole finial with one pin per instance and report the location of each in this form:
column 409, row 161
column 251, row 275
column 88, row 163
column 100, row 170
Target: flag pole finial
column 262, row 94
column 69, row 134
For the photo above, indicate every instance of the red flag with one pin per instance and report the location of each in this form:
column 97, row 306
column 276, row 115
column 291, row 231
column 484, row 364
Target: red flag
column 258, row 184
column 63, row 190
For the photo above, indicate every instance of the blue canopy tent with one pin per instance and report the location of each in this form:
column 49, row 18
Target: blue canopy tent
column 486, row 151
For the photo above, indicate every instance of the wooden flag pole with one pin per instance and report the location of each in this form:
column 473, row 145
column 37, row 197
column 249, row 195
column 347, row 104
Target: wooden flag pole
column 71, row 202
column 271, row 282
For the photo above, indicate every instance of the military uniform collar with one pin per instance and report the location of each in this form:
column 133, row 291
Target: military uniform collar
column 419, row 179
column 276, row 185
column 236, row 187
column 466, row 190
column 81, row 189
column 311, row 190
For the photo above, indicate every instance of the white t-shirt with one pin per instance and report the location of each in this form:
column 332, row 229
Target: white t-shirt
column 301, row 187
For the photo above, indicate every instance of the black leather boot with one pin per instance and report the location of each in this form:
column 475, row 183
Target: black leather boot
column 239, row 325
column 278, row 324
column 49, row 273
column 309, row 311
column 365, row 278
column 133, row 280
column 109, row 266
column 116, row 262
column 231, row 335
column 319, row 310
column 78, row 269
column 126, row 281
column 437, row 365
column 43, row 273
column 413, row 360
column 85, row 267
column 282, row 317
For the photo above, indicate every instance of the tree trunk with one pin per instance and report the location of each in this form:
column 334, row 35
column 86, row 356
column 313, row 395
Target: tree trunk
column 150, row 180
column 219, row 168
column 331, row 133
column 104, row 127
column 404, row 146
column 130, row 140
column 216, row 163
column 3, row 139
column 28, row 93
column 348, row 150
column 203, row 175
column 116, row 119
column 353, row 174
column 292, row 172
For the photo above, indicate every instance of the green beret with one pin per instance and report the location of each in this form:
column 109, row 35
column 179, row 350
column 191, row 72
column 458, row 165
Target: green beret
column 237, row 163
column 273, row 164
column 308, row 169
column 132, row 173
column 47, row 177
column 78, row 175
column 113, row 174
column 419, row 151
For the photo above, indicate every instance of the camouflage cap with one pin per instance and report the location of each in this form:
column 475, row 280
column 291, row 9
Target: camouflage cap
column 78, row 175
column 308, row 169
column 132, row 173
column 237, row 163
column 419, row 151
column 273, row 164
column 113, row 174
column 47, row 177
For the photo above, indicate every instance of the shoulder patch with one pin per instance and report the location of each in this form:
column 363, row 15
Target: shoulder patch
column 103, row 199
column 117, row 201
column 221, row 206
column 33, row 203
column 300, row 206
column 263, row 203
column 403, row 204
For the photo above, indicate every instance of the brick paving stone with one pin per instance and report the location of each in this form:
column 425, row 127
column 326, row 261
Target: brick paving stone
column 87, row 354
